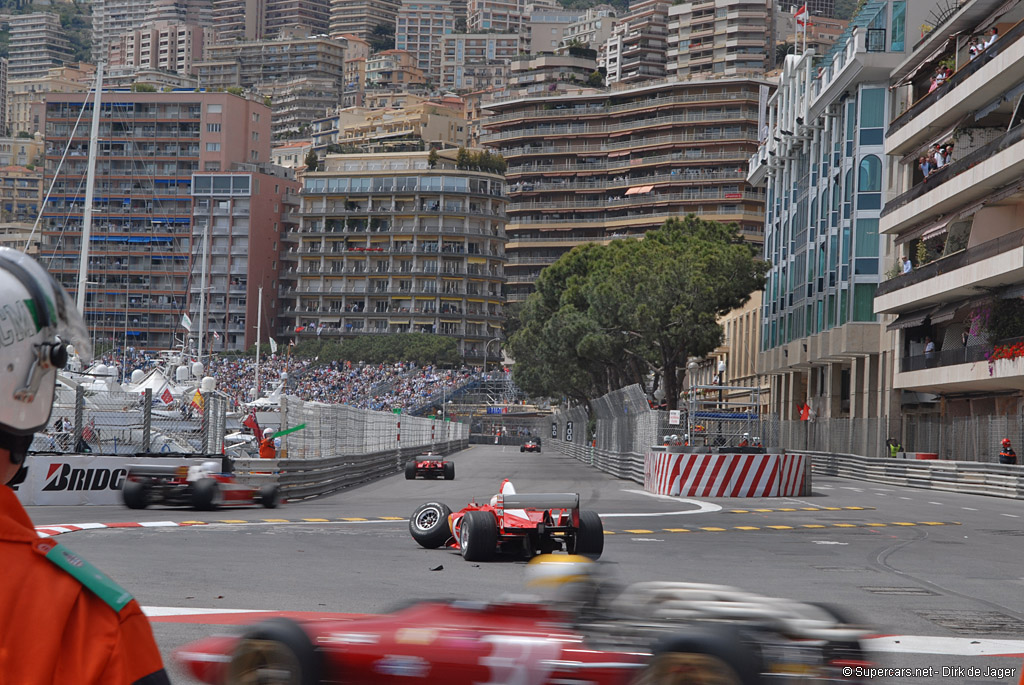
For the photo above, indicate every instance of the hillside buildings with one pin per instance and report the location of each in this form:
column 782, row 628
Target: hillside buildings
column 476, row 61
column 421, row 25
column 251, row 20
column 418, row 125
column 636, row 50
column 361, row 18
column 37, row 44
column 391, row 244
column 722, row 37
column 141, row 246
column 261, row 62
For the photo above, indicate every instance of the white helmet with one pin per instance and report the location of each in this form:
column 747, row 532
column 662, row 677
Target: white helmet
column 267, row 432
column 564, row 581
column 37, row 322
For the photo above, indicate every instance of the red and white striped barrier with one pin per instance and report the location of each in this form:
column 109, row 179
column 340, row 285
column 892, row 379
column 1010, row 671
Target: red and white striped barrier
column 725, row 475
column 50, row 531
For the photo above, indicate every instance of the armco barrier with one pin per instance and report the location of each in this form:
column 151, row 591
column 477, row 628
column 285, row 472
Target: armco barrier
column 972, row 478
column 302, row 478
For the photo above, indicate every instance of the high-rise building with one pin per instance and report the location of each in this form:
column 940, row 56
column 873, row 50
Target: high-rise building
column 717, row 37
column 26, row 97
column 140, row 248
column 362, row 17
column 5, row 116
column 242, row 216
column 390, row 243
column 593, row 29
column 113, row 18
column 545, row 27
column 165, row 45
column 822, row 163
column 393, row 69
column 252, row 64
column 421, row 25
column 635, row 52
column 604, row 164
column 239, row 20
column 21, row 189
column 477, row 60
column 958, row 224
column 499, row 16
column 249, row 20
column 38, row 43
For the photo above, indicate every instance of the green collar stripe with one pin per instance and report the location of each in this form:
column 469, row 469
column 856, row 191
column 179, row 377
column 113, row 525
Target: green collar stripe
column 31, row 306
column 91, row 577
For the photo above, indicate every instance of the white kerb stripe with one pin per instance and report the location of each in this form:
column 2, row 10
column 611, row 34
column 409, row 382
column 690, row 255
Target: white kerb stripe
column 958, row 646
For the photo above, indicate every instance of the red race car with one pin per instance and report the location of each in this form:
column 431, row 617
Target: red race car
column 531, row 445
column 201, row 486
column 650, row 634
column 429, row 465
column 511, row 522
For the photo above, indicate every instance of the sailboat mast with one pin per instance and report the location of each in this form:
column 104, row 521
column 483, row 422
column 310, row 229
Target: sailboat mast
column 259, row 324
column 90, row 184
column 202, row 291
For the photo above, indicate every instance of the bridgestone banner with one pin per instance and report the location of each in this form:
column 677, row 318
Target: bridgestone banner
column 80, row 479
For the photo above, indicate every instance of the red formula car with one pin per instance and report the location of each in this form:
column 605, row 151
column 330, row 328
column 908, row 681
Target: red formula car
column 650, row 634
column 429, row 465
column 511, row 522
column 201, row 486
column 530, row 445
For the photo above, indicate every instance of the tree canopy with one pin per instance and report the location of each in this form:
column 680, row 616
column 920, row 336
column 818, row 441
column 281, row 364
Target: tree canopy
column 607, row 316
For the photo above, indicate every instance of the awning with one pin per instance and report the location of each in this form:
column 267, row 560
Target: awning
column 470, row 299
column 423, row 322
column 396, row 238
column 428, row 297
column 451, row 299
column 450, row 321
column 476, row 260
column 946, row 312
column 494, row 325
column 911, row 319
column 639, row 190
column 927, row 64
column 932, row 228
column 994, row 18
column 398, row 321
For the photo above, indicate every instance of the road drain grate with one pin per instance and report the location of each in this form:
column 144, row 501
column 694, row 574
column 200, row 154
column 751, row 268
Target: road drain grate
column 891, row 590
column 854, row 569
column 975, row 622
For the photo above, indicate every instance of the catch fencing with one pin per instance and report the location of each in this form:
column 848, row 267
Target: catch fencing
column 119, row 422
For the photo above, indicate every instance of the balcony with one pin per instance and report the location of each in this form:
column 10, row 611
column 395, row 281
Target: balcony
column 979, row 81
column 992, row 264
column 978, row 175
column 961, row 370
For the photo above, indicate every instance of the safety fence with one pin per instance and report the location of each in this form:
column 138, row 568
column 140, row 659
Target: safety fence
column 118, row 422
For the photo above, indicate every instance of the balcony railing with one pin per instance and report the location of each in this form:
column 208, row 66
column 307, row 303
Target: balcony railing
column 953, row 262
column 961, row 75
column 950, row 171
column 958, row 355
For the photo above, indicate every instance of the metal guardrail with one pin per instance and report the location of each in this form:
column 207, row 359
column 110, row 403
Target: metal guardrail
column 971, row 478
column 304, row 478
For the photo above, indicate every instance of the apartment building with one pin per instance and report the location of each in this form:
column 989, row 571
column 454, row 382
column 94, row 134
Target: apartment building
column 545, row 73
column 593, row 29
column 27, row 97
column 636, row 50
column 126, row 77
column 256, row 63
column 393, row 69
column 720, row 37
column 821, row 8
column 606, row 164
column 500, row 16
column 545, row 27
column 21, row 151
column 822, row 163
column 421, row 24
column 19, row 236
column 295, row 102
column 389, row 243
column 113, row 18
column 961, row 229
column 164, row 45
column 415, row 127
column 250, row 20
column 37, row 44
column 4, row 93
column 820, row 35
column 239, row 220
column 291, row 155
column 475, row 61
column 354, row 89
column 21, row 190
column 139, row 252
column 361, row 17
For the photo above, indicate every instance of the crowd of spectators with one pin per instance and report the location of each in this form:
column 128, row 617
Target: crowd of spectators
column 381, row 387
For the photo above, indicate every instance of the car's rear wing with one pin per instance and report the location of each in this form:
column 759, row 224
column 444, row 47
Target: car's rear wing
column 158, row 471
column 541, row 500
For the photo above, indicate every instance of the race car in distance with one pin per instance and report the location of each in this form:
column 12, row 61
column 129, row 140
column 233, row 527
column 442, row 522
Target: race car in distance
column 429, row 465
column 201, row 486
column 525, row 524
column 531, row 445
column 650, row 634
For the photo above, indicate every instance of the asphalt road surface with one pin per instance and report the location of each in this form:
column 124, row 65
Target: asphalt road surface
column 939, row 576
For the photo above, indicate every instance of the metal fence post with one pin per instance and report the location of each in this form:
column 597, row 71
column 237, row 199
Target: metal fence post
column 147, row 420
column 79, row 414
column 204, row 428
column 284, row 425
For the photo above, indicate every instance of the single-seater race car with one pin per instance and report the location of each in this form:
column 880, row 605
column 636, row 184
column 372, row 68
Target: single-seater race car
column 429, row 465
column 511, row 523
column 658, row 633
column 201, row 486
column 531, row 445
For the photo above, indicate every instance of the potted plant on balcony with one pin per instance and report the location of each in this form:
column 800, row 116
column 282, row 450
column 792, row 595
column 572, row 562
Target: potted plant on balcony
column 1006, row 327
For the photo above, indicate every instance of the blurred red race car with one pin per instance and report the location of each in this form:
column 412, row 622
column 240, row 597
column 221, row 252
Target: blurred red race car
column 530, row 445
column 200, row 486
column 429, row 465
column 650, row 634
column 517, row 523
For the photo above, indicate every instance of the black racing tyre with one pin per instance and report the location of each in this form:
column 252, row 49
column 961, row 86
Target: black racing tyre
column 135, row 494
column 410, row 470
column 275, row 651
column 449, row 470
column 589, row 537
column 428, row 525
column 478, row 536
column 270, row 495
column 522, row 449
column 706, row 655
column 206, row 494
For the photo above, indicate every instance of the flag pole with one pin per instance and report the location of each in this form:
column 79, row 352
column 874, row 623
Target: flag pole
column 259, row 323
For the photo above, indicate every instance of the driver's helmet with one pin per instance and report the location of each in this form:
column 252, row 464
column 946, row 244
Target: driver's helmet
column 211, row 466
column 567, row 581
column 40, row 322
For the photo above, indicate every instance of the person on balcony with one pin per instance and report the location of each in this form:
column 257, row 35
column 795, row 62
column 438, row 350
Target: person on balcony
column 992, row 38
column 929, row 352
column 907, row 266
column 925, row 165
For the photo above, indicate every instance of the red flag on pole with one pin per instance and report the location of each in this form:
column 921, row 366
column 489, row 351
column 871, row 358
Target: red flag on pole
column 805, row 412
column 253, row 425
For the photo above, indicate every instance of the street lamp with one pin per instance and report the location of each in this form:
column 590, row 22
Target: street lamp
column 721, row 382
column 486, row 345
